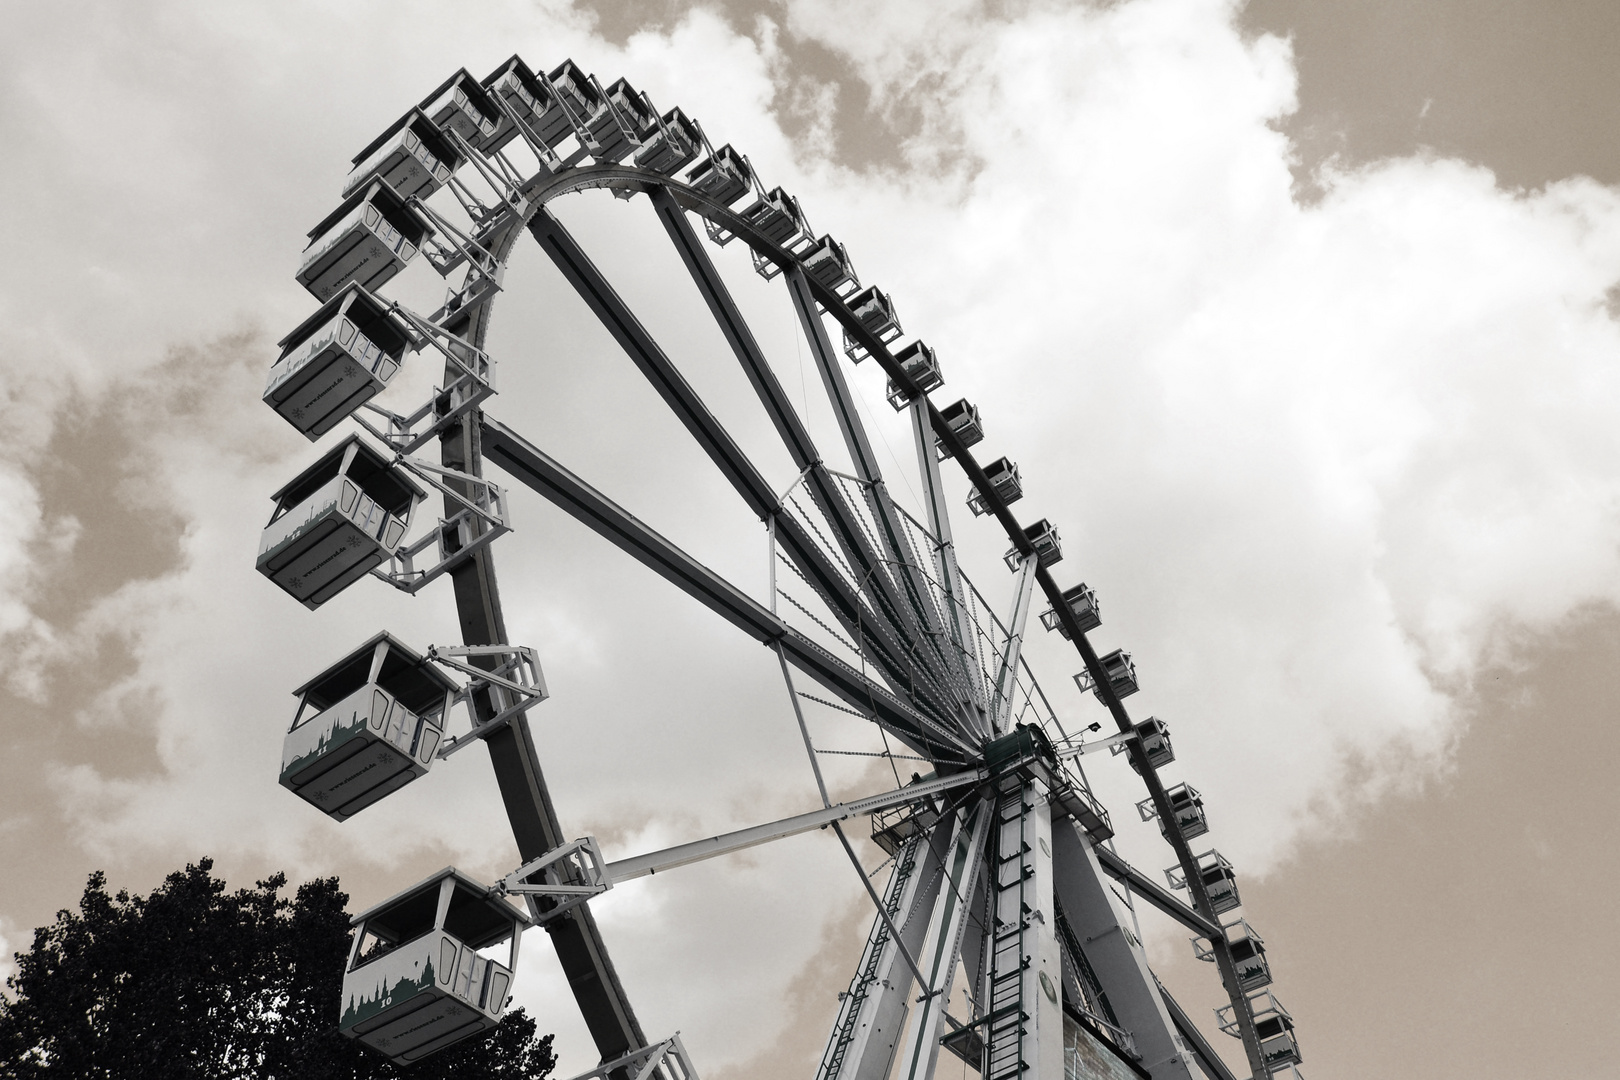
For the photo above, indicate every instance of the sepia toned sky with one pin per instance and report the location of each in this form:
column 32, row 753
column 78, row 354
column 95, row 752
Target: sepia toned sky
column 1299, row 316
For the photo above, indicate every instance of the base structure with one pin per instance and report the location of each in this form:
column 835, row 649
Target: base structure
column 1032, row 967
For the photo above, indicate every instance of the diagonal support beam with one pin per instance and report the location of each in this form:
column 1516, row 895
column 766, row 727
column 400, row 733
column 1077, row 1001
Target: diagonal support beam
column 832, row 376
column 1115, row 954
column 1155, row 894
column 1207, row 1058
column 650, row 359
column 528, row 464
column 655, row 862
column 796, row 438
column 728, row 317
column 883, row 630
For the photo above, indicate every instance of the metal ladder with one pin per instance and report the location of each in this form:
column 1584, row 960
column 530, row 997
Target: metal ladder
column 1007, row 1022
column 849, row 1013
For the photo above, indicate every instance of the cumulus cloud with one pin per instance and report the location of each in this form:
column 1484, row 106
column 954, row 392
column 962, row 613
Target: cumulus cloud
column 1320, row 461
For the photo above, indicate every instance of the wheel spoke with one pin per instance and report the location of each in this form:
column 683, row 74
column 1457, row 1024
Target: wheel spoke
column 884, row 630
column 569, row 493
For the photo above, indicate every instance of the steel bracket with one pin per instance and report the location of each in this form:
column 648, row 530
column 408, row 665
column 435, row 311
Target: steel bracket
column 666, row 1060
column 473, row 384
column 463, row 247
column 515, row 682
column 482, row 519
column 570, row 875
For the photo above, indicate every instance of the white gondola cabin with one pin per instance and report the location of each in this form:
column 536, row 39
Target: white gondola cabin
column 725, row 176
column 366, row 726
column 1005, row 481
column 336, row 521
column 463, row 106
column 1220, row 881
column 1154, row 736
column 368, row 239
column 673, row 146
column 919, row 362
column 1082, row 604
column 1279, row 1047
column 1249, row 958
column 826, row 261
column 531, row 100
column 1121, row 672
column 777, row 217
column 413, row 156
column 1186, row 809
column 875, row 311
column 415, row 982
column 1043, row 537
column 963, row 420
column 336, row 360
column 1248, row 952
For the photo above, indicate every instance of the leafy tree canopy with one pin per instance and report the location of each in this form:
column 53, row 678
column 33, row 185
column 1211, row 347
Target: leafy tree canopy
column 197, row 982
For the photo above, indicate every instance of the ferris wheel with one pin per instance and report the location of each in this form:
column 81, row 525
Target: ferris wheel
column 1000, row 860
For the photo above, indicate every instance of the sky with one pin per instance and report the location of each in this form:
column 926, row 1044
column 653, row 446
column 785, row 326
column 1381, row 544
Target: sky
column 1299, row 318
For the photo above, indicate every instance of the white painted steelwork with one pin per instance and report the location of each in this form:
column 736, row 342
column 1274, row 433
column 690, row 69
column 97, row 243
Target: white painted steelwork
column 1111, row 947
column 665, row 1060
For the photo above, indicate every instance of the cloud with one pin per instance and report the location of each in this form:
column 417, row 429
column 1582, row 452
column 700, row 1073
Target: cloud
column 1319, row 461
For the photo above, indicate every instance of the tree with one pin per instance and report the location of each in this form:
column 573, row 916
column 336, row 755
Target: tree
column 197, row 982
